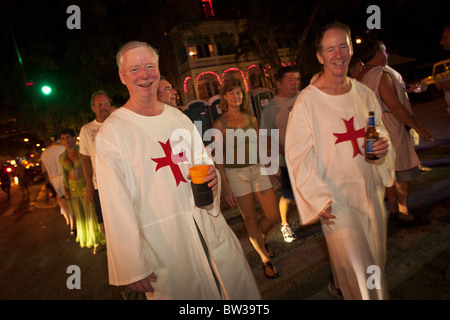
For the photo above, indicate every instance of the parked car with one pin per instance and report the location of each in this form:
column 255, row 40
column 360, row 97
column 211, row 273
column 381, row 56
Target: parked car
column 425, row 80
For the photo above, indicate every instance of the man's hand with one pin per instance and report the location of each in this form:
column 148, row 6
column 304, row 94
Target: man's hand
column 425, row 134
column 381, row 147
column 212, row 178
column 229, row 196
column 326, row 212
column 144, row 285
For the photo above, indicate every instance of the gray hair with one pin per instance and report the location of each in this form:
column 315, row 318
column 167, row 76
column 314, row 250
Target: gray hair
column 99, row 92
column 132, row 45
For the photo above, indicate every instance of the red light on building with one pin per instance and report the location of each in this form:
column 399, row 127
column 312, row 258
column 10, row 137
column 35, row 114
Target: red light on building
column 208, row 9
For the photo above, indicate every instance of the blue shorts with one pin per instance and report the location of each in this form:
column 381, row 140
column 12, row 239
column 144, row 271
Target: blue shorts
column 286, row 188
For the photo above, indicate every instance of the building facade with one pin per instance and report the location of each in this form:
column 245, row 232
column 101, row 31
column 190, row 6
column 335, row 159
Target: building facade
column 206, row 53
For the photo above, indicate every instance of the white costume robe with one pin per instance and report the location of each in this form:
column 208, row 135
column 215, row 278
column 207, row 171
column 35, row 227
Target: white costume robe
column 325, row 159
column 150, row 216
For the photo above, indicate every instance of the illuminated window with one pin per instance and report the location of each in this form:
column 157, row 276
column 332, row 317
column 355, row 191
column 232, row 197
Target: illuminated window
column 212, row 52
column 208, row 9
column 193, row 52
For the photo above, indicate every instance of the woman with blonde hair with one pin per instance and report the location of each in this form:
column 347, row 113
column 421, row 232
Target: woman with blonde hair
column 241, row 172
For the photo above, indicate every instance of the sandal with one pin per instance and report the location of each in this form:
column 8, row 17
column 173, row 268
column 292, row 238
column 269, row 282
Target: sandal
column 269, row 265
column 271, row 253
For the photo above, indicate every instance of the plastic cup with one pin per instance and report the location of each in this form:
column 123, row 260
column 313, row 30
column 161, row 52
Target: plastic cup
column 203, row 195
column 198, row 173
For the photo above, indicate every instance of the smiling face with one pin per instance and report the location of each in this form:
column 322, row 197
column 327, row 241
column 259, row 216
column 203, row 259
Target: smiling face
column 167, row 94
column 140, row 72
column 336, row 52
column 234, row 98
column 101, row 107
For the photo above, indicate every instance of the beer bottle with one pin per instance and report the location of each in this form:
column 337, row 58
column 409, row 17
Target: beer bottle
column 371, row 137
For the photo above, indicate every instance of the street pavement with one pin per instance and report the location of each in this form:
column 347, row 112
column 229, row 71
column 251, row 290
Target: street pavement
column 36, row 248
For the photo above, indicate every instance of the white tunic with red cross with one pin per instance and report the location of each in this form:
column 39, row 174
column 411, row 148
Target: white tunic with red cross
column 325, row 158
column 149, row 212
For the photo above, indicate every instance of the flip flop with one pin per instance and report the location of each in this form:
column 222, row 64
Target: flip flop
column 274, row 274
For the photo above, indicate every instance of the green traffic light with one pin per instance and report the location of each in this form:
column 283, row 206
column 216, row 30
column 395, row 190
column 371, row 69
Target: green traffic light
column 46, row 89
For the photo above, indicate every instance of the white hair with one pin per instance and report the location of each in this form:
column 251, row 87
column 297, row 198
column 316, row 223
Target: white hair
column 132, row 45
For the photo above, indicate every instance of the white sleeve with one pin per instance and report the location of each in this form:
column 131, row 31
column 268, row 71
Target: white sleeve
column 310, row 191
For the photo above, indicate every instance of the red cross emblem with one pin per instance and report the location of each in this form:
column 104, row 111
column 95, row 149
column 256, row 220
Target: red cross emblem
column 167, row 161
column 351, row 135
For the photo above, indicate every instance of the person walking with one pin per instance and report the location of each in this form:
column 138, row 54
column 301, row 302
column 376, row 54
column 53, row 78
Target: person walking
column 89, row 233
column 51, row 166
column 101, row 106
column 241, row 177
column 398, row 118
column 331, row 180
column 275, row 116
column 23, row 180
column 159, row 242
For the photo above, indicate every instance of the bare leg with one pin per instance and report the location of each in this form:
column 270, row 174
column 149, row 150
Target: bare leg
column 284, row 207
column 402, row 193
column 269, row 204
column 392, row 198
column 247, row 208
column 70, row 219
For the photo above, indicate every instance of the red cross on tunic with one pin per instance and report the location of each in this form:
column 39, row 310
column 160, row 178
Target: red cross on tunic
column 351, row 135
column 167, row 161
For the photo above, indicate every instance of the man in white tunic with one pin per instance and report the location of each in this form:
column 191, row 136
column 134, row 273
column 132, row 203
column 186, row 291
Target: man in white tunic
column 331, row 180
column 158, row 241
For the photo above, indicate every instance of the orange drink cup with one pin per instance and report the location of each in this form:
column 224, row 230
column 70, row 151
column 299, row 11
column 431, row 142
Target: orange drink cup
column 203, row 195
column 198, row 173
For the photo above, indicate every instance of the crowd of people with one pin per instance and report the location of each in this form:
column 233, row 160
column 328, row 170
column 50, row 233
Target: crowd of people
column 70, row 170
column 127, row 183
